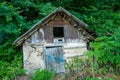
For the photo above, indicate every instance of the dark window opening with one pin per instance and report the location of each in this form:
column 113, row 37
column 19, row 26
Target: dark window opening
column 58, row 32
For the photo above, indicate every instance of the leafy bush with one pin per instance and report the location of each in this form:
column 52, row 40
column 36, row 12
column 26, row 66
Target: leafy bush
column 9, row 70
column 43, row 75
column 16, row 16
column 78, row 68
column 98, row 79
column 106, row 51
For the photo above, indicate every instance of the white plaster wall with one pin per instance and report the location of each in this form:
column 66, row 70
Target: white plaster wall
column 34, row 55
column 33, row 58
column 72, row 52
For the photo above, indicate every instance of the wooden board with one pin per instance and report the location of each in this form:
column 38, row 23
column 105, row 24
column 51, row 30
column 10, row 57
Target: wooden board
column 54, row 59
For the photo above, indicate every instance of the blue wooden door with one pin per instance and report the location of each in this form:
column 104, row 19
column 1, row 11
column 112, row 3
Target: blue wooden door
column 54, row 58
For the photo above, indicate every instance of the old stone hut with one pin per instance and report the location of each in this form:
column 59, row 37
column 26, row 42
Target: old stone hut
column 54, row 39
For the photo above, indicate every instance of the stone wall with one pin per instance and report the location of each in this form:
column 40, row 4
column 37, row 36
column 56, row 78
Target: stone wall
column 33, row 54
column 33, row 58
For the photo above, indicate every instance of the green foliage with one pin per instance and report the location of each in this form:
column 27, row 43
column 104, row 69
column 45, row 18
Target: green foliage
column 43, row 75
column 17, row 16
column 106, row 51
column 78, row 68
column 93, row 78
column 9, row 70
column 98, row 79
column 46, row 9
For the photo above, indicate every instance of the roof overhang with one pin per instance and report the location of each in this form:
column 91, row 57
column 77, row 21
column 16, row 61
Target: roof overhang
column 38, row 25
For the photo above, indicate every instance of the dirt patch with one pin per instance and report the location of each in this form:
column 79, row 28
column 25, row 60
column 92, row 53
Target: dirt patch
column 23, row 77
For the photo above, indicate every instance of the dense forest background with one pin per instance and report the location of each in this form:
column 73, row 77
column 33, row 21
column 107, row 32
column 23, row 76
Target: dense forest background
column 102, row 16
